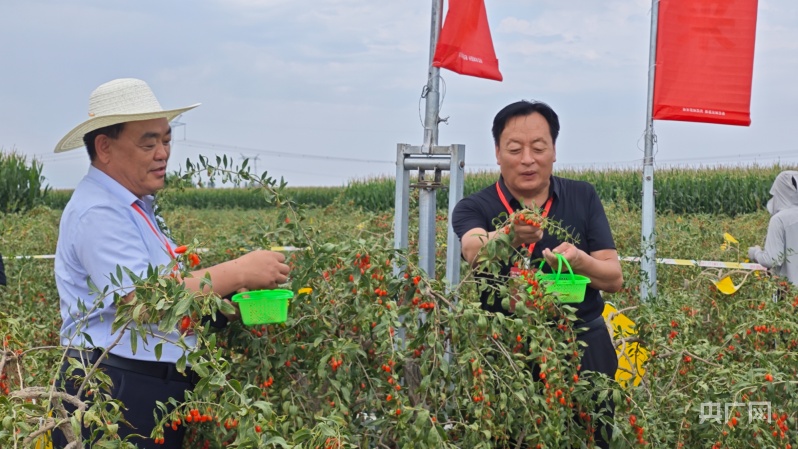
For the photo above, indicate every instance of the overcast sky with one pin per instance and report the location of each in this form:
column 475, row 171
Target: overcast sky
column 343, row 78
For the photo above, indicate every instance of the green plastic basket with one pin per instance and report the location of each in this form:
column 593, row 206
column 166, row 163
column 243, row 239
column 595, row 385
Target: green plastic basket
column 263, row 306
column 568, row 287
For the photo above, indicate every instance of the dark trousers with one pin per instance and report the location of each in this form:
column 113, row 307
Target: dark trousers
column 138, row 392
column 598, row 356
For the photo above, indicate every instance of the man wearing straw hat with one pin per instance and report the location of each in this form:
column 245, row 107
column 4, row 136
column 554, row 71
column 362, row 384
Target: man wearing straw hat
column 525, row 134
column 110, row 222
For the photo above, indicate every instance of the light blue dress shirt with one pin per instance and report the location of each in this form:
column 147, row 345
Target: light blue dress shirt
column 99, row 231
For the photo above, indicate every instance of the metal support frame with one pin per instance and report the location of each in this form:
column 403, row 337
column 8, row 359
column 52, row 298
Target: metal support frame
column 427, row 212
column 436, row 159
column 402, row 202
column 456, row 182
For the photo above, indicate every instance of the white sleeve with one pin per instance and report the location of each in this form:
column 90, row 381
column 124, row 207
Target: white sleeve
column 774, row 253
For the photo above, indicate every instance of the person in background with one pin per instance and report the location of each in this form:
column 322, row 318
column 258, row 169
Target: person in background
column 109, row 222
column 2, row 271
column 780, row 253
column 525, row 135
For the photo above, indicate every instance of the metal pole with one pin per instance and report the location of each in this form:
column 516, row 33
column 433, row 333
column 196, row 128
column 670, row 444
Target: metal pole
column 456, row 177
column 427, row 201
column 648, row 264
column 431, row 117
column 402, row 205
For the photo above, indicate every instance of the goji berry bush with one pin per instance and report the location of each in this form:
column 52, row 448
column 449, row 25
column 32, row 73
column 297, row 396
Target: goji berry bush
column 376, row 353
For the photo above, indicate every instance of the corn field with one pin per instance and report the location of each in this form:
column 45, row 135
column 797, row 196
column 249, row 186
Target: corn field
column 729, row 191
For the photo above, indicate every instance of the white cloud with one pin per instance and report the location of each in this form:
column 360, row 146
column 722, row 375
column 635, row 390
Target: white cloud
column 592, row 31
column 251, row 6
column 345, row 76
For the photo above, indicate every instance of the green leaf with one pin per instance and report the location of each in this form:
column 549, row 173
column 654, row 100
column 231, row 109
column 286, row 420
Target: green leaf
column 278, row 441
column 300, row 436
column 200, row 369
column 181, row 364
column 182, row 306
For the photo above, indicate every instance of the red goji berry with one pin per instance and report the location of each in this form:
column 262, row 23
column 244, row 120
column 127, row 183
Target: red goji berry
column 185, row 323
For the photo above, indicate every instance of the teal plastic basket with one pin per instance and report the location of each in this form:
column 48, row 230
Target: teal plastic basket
column 263, row 306
column 567, row 287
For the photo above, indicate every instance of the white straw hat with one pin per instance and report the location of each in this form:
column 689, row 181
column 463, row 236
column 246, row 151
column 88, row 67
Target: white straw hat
column 118, row 101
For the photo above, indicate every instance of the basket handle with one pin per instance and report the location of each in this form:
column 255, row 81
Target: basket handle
column 560, row 260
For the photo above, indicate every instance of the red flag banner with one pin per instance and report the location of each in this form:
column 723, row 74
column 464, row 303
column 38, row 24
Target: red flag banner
column 705, row 61
column 464, row 45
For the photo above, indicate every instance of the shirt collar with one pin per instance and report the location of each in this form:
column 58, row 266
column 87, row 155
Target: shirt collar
column 116, row 189
column 554, row 190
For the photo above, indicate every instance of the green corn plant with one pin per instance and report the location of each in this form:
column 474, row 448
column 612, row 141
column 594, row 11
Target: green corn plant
column 21, row 186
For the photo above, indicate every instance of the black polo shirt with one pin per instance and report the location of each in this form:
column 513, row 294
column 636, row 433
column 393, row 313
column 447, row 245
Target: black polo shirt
column 575, row 205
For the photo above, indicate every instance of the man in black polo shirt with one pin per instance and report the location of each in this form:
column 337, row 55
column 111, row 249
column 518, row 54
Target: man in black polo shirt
column 525, row 134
